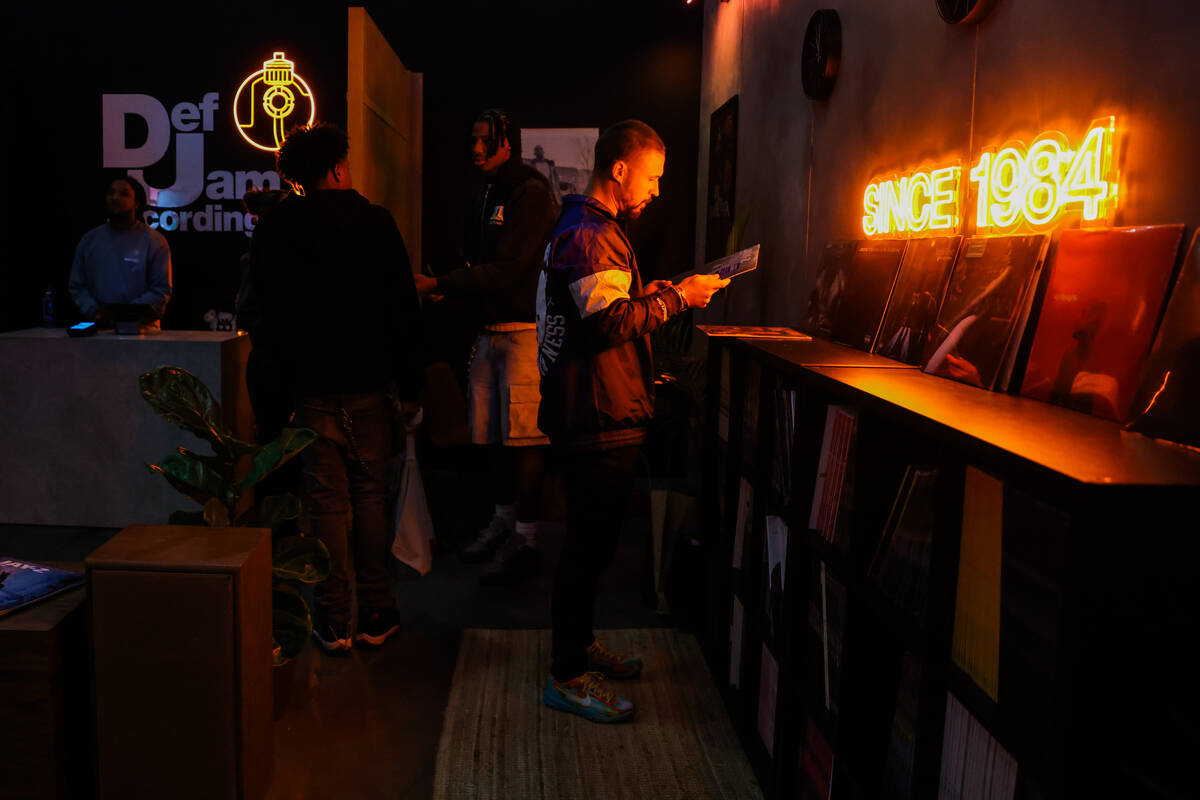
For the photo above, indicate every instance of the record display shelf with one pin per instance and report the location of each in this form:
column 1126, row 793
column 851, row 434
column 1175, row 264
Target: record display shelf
column 966, row 589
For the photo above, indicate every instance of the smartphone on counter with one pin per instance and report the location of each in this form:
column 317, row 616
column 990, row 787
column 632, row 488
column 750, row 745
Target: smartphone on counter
column 82, row 329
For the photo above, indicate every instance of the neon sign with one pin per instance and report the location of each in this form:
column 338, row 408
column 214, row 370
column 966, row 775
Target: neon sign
column 275, row 96
column 1042, row 184
column 1015, row 186
column 923, row 201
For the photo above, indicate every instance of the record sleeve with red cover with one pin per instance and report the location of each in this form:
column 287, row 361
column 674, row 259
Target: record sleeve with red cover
column 1102, row 303
column 1166, row 403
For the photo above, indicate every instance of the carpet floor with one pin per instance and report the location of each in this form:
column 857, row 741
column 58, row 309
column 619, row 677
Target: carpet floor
column 499, row 741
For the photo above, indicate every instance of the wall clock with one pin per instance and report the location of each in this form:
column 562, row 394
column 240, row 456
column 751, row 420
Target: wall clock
column 822, row 53
column 963, row 12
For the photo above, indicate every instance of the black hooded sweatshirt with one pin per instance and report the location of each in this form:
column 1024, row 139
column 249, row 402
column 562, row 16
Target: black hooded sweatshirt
column 507, row 227
column 339, row 308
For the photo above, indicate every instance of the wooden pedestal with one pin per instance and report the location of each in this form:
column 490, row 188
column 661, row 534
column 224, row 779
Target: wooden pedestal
column 45, row 710
column 181, row 630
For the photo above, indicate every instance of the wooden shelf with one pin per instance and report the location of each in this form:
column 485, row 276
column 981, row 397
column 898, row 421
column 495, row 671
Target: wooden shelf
column 1080, row 447
column 787, row 354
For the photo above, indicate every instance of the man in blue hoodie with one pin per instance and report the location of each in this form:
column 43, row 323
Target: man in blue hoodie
column 594, row 321
column 340, row 316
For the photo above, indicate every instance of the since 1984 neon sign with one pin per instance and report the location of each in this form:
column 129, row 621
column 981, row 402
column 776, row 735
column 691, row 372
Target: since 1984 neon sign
column 1014, row 186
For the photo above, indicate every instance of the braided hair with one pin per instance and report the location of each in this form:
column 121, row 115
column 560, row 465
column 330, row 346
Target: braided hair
column 500, row 129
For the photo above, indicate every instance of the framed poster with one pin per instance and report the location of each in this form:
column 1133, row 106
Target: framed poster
column 722, row 174
column 564, row 155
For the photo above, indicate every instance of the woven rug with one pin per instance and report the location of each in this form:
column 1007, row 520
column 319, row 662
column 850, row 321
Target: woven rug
column 499, row 741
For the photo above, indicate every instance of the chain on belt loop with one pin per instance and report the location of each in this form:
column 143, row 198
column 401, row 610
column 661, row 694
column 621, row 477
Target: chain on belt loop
column 354, row 448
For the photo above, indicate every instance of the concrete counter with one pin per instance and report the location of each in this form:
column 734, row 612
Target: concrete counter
column 75, row 433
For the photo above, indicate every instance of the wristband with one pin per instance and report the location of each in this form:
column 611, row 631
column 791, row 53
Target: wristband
column 682, row 297
column 662, row 307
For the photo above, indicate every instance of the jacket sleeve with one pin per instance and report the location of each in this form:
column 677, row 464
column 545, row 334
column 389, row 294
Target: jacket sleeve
column 600, row 278
column 158, row 274
column 529, row 216
column 78, row 285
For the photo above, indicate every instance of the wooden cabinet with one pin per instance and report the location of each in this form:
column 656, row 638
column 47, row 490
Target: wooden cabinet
column 181, row 630
column 45, row 702
column 1047, row 647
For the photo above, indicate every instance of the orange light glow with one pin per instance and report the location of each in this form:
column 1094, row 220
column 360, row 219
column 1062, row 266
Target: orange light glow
column 924, row 202
column 1040, row 185
column 282, row 100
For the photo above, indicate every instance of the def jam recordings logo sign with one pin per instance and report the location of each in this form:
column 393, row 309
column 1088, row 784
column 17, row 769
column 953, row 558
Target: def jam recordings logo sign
column 178, row 207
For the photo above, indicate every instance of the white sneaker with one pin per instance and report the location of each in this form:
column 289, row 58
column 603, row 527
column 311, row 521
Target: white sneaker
column 487, row 543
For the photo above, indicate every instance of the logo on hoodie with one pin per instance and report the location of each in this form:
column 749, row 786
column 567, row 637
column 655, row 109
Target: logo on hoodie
column 497, row 216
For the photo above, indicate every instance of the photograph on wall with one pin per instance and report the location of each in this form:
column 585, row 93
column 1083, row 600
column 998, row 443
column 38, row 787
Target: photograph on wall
column 722, row 179
column 563, row 155
column 833, row 271
column 869, row 283
column 1106, row 290
column 989, row 293
column 916, row 297
column 1166, row 403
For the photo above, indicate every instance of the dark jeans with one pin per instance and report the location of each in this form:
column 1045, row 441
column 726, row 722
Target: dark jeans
column 346, row 473
column 597, row 487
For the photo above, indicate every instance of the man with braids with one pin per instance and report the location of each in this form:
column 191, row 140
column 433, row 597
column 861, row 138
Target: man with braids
column 507, row 225
column 335, row 288
column 594, row 321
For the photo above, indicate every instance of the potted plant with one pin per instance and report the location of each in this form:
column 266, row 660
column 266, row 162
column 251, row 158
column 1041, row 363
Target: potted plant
column 218, row 482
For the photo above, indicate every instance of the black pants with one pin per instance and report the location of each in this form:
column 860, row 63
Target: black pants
column 345, row 497
column 597, row 487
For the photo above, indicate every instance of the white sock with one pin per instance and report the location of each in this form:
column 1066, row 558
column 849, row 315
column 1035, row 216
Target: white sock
column 507, row 515
column 528, row 532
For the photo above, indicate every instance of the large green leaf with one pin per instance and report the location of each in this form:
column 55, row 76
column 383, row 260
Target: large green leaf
column 183, row 399
column 272, row 456
column 278, row 508
column 193, row 478
column 301, row 558
column 291, row 623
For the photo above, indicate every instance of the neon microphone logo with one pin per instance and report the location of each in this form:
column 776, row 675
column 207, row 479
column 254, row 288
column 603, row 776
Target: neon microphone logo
column 271, row 101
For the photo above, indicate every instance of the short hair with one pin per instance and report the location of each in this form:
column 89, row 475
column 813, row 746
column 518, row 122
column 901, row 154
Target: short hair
column 309, row 152
column 500, row 127
column 622, row 140
column 139, row 191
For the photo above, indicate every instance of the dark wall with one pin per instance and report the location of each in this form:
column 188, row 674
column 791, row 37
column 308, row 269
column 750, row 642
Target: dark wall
column 913, row 91
column 587, row 63
column 553, row 64
column 59, row 61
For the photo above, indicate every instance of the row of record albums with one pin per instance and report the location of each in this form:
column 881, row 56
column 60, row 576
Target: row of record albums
column 1105, row 322
column 976, row 309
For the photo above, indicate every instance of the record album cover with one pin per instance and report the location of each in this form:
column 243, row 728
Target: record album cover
column 1170, row 393
column 979, row 325
column 24, row 582
column 868, row 285
column 833, row 273
column 1103, row 300
column 913, row 307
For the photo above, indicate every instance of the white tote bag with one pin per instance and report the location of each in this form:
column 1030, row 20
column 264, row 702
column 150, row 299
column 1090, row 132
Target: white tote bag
column 413, row 541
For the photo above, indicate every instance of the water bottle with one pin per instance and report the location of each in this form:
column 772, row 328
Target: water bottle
column 48, row 308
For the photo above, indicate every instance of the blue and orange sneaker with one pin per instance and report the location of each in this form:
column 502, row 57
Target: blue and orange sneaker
column 586, row 697
column 612, row 665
